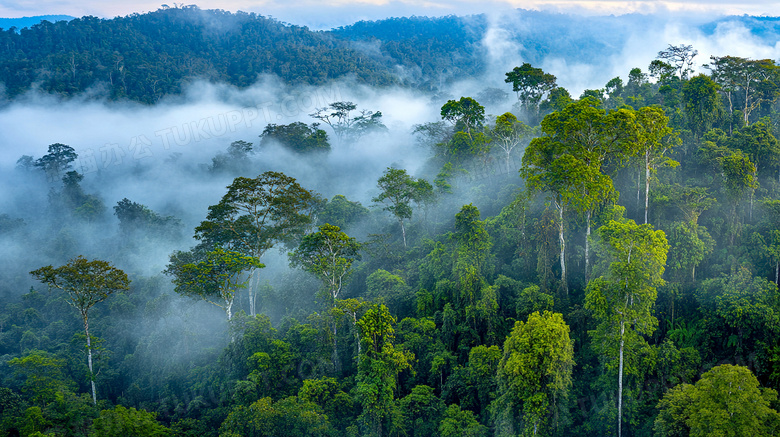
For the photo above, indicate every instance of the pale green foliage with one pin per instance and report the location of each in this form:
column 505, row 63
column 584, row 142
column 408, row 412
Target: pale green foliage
column 509, row 133
column 690, row 244
column 122, row 422
column 43, row 376
column 633, row 258
column 398, row 191
column 622, row 298
column 378, row 368
column 534, row 375
column 290, row 417
column 219, row 275
column 726, row 402
column 461, row 423
column 328, row 254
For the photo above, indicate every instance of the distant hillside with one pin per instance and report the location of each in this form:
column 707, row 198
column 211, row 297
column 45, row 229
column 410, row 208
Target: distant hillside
column 19, row 23
column 144, row 57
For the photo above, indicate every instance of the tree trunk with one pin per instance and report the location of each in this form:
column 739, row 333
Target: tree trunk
column 638, row 189
column 777, row 273
column 647, row 182
column 563, row 251
column 587, row 249
column 89, row 358
column 335, row 348
column 620, row 380
column 403, row 231
column 252, row 285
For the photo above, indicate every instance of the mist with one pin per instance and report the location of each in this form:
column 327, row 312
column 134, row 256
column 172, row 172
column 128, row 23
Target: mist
column 160, row 156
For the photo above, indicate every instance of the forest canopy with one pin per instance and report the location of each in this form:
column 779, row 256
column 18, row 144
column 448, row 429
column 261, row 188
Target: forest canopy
column 526, row 261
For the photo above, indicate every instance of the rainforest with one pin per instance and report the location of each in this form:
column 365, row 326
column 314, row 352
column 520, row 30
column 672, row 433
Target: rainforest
column 219, row 224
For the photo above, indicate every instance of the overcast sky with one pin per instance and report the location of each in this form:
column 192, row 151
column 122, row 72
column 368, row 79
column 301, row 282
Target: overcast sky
column 320, row 14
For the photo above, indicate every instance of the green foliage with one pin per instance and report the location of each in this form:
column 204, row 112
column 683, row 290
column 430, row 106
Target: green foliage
column 341, row 212
column 689, row 246
column 461, row 423
column 534, row 376
column 378, row 369
column 256, row 214
column 466, row 114
column 702, row 103
column 347, row 128
column 219, row 275
column 741, row 308
column 290, row 416
column 328, row 254
column 296, row 137
column 43, row 376
column 530, row 84
column 621, row 299
column 422, row 411
column 398, row 191
column 121, row 422
column 727, row 401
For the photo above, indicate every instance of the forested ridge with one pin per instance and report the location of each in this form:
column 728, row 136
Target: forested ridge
column 602, row 264
column 145, row 57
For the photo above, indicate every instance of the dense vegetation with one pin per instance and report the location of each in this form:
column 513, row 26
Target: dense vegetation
column 615, row 272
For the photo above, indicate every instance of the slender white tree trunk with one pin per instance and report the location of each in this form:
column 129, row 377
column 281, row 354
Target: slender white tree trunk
column 587, row 249
column 253, row 278
column 403, row 231
column 89, row 360
column 647, row 182
column 563, row 250
column 229, row 308
column 638, row 188
column 620, row 380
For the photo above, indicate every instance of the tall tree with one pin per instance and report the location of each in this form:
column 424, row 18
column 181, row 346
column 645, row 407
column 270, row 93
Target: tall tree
column 509, row 133
column 328, row 254
column 727, row 401
column 398, row 191
column 378, row 368
column 534, row 375
column 655, row 138
column 680, row 57
column 568, row 158
column 702, row 104
column 742, row 75
column 531, row 84
column 466, row 114
column 347, row 128
column 218, row 275
column 58, row 160
column 622, row 298
column 739, row 175
column 85, row 283
column 255, row 215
